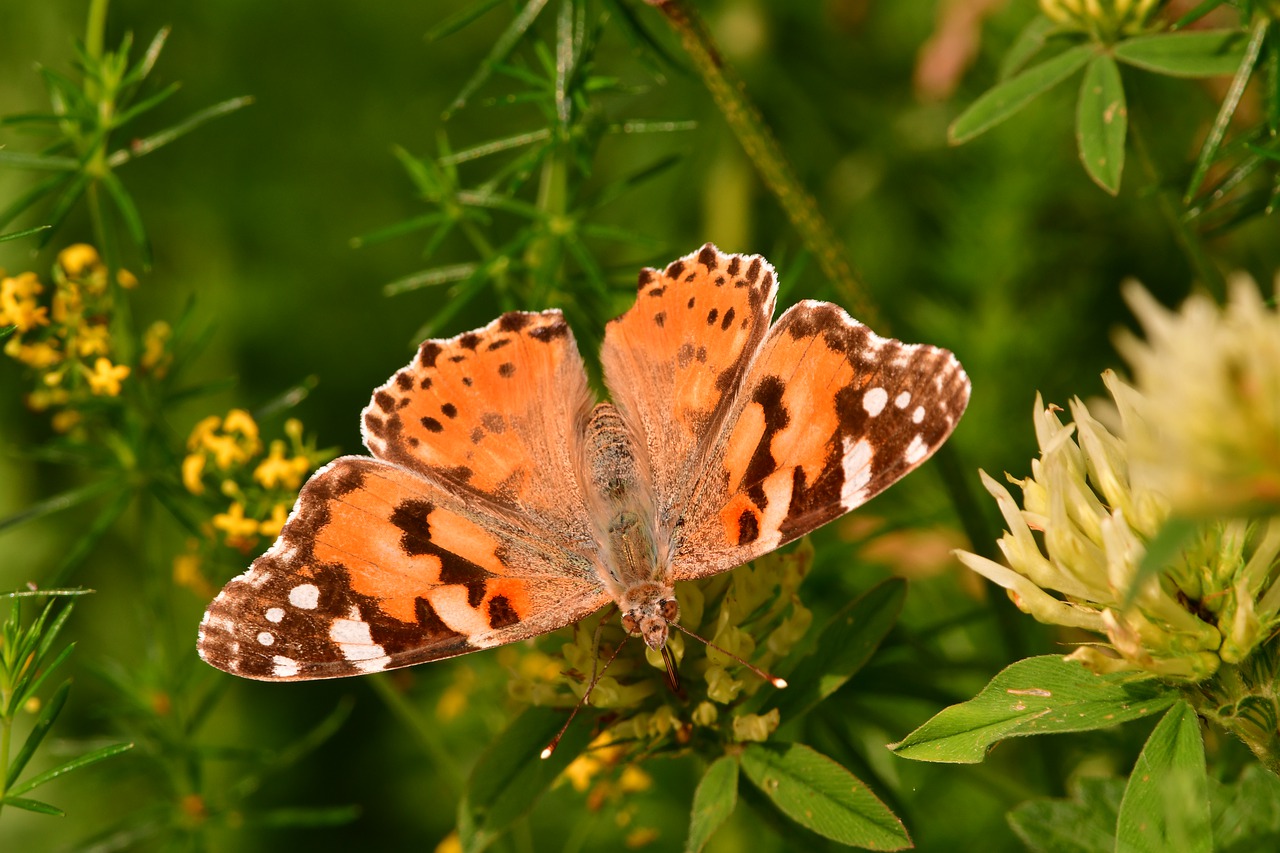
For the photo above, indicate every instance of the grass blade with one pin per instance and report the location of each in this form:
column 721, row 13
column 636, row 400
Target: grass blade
column 74, row 764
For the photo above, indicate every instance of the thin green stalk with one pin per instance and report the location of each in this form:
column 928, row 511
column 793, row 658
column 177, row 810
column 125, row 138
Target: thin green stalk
column 1183, row 232
column 767, row 155
column 94, row 28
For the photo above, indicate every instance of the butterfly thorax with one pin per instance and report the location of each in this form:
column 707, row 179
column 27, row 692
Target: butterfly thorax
column 621, row 505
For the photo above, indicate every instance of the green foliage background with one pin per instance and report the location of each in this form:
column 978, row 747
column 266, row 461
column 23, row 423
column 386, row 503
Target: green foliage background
column 1001, row 250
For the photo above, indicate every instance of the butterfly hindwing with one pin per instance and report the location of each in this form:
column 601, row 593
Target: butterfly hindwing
column 378, row 568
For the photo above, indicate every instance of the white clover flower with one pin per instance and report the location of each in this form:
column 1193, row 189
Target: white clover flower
column 1076, row 547
column 1208, row 392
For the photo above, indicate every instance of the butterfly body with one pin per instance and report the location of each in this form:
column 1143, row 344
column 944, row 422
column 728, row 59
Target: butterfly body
column 502, row 501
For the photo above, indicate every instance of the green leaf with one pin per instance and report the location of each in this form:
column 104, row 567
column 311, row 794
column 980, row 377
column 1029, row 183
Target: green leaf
column 460, row 19
column 57, row 503
column 140, row 147
column 1086, row 823
column 1166, row 803
column 19, row 160
column 48, row 714
column 6, row 331
column 1102, row 120
column 820, row 795
column 74, row 764
column 713, row 802
column 1040, row 695
column 1207, row 53
column 288, row 818
column 1028, row 43
column 129, row 213
column 1246, row 814
column 1226, row 112
column 1163, row 549
column 511, row 775
column 501, row 47
column 844, row 646
column 1005, row 99
column 33, row 806
column 14, row 236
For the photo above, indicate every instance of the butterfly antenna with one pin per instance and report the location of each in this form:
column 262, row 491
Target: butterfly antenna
column 595, row 679
column 772, row 679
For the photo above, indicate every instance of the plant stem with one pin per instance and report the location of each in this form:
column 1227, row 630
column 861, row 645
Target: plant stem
column 94, row 29
column 766, row 154
column 1166, row 201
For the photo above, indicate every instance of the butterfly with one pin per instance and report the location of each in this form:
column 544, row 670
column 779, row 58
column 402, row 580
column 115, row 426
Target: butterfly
column 501, row 501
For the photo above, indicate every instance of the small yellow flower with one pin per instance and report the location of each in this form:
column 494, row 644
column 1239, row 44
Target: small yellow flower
column 65, row 420
column 272, row 526
column 276, row 471
column 450, row 844
column 242, row 533
column 78, row 258
column 93, row 339
column 66, row 303
column 18, row 303
column 238, row 420
column 192, row 473
column 206, row 427
column 186, row 573
column 756, row 727
column 633, row 780
column 641, row 837
column 226, row 450
column 155, row 357
column 105, row 378
column 126, row 279
column 41, row 355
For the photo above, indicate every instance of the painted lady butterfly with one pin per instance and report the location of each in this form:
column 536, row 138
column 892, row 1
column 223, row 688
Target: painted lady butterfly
column 502, row 502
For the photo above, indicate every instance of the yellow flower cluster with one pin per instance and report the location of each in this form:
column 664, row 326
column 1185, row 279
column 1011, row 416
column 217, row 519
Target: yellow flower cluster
column 67, row 342
column 1105, row 20
column 753, row 612
column 253, row 489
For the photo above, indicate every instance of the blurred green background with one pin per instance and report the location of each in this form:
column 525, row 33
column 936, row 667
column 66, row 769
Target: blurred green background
column 1001, row 250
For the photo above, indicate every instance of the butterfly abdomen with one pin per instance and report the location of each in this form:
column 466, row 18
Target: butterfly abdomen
column 619, row 500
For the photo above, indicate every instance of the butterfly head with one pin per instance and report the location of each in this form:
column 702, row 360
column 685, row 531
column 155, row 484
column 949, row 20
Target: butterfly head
column 648, row 610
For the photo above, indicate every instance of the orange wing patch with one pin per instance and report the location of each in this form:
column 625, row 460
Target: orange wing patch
column 495, row 414
column 376, row 569
column 673, row 360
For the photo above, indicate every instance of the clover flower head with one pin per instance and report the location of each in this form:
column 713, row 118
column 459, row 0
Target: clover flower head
column 1207, row 396
column 1076, row 548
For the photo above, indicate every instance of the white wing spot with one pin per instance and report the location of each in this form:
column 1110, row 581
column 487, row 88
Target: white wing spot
column 355, row 640
column 875, row 400
column 284, row 667
column 918, row 415
column 902, row 399
column 858, row 456
column 305, row 596
column 373, row 664
column 275, row 614
column 265, row 638
column 916, row 450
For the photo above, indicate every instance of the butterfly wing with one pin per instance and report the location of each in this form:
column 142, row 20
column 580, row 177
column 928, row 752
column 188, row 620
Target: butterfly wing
column 758, row 435
column 828, row 415
column 468, row 529
column 674, row 359
column 378, row 568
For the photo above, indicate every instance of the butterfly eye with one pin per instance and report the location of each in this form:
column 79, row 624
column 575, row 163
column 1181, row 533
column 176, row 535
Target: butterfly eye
column 630, row 624
column 669, row 608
